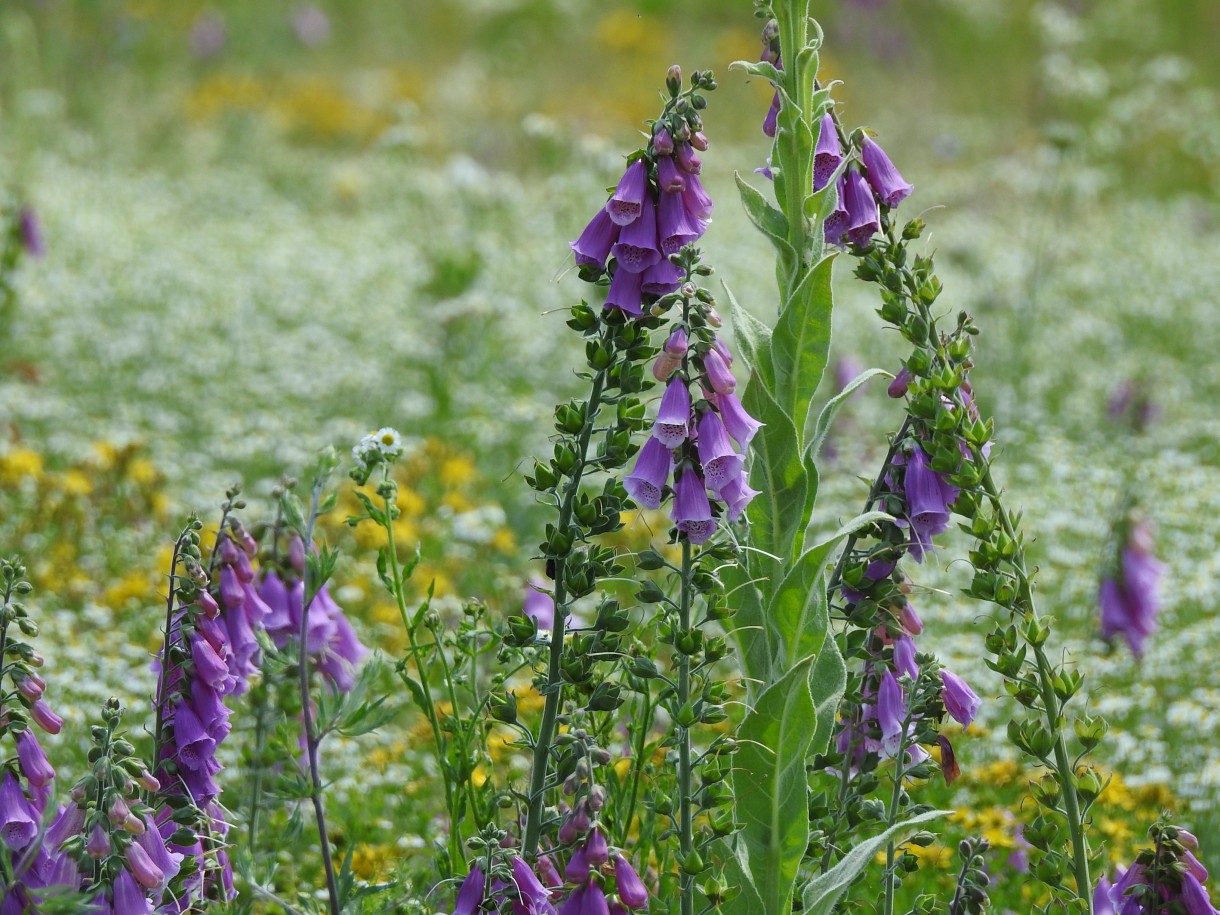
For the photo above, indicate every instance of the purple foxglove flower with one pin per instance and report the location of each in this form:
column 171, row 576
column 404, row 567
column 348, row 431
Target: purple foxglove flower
column 828, row 153
column 44, row 717
column 863, row 218
column 129, row 898
column 626, row 291
column 740, row 424
column 538, row 605
column 673, row 417
column 576, row 902
column 1131, row 602
column 675, row 229
column 909, row 620
column 154, row 846
column 677, row 344
column 147, row 874
column 670, row 179
column 627, row 203
column 1195, row 866
column 98, row 845
column 596, row 848
column 577, row 870
column 687, row 160
column 209, row 667
column 661, row 278
column 696, row 199
column 722, row 348
column 891, row 710
column 18, row 824
column 33, row 760
column 231, row 593
column 528, row 885
column 1195, row 897
column 595, row 242
column 636, row 249
column 665, row 365
column 718, row 374
column 884, row 178
column 1102, row 904
column 29, row 229
column 736, row 495
column 837, row 223
column 208, row 604
column 548, row 873
column 698, row 139
column 662, row 142
column 647, row 480
column 904, row 656
column 631, row 888
column 772, row 119
column 30, row 685
column 901, row 383
column 928, row 497
column 692, row 512
column 470, row 894
column 960, row 700
column 721, row 464
column 343, row 654
column 211, row 711
column 195, row 744
column 69, row 822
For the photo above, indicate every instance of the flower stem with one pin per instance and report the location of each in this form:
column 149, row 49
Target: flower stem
column 686, row 814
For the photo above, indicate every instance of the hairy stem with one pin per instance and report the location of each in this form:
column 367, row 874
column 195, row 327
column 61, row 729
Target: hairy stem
column 686, row 814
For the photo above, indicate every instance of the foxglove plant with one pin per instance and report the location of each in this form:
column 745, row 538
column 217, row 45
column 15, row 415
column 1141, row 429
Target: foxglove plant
column 21, row 236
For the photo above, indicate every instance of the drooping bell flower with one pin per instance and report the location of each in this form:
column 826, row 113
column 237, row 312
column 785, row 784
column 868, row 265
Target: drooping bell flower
column 721, row 464
column 670, row 179
column 631, row 889
column 129, row 897
column 538, row 605
column 665, row 365
column 662, row 142
column 696, row 199
column 960, row 700
column 647, row 480
column 736, row 495
column 34, row 764
column 740, row 424
column 18, row 824
column 863, row 217
column 636, row 249
column 532, row 892
column 210, row 668
column 891, row 710
column 673, row 416
column 45, row 718
column 29, row 230
column 904, row 656
column 719, row 376
column 147, row 874
column 901, row 383
column 627, row 203
column 342, row 656
column 661, row 278
column 687, row 160
column 470, row 894
column 595, row 242
column 626, row 291
column 30, row 685
column 675, row 229
column 692, row 513
column 837, row 223
column 195, row 745
column 827, row 154
column 677, row 343
column 928, row 497
column 98, row 844
column 888, row 185
column 1194, row 897
column 1130, row 600
column 596, row 848
column 772, row 119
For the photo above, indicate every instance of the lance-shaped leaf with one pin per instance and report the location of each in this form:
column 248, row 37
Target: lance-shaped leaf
column 753, row 340
column 771, row 788
column 825, row 890
column 826, row 684
column 826, row 418
column 768, row 220
column 777, row 516
column 750, row 629
column 800, row 344
column 798, row 616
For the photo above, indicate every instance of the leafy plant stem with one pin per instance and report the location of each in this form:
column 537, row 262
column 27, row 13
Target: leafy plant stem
column 686, row 814
column 891, row 817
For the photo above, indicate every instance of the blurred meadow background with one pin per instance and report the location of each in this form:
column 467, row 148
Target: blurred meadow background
column 271, row 227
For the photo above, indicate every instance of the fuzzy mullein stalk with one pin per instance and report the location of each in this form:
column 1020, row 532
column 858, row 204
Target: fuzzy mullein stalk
column 954, row 439
column 658, row 207
column 1164, row 878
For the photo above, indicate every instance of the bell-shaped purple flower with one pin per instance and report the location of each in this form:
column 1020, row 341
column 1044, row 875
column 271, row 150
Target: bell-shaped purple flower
column 675, row 229
column 29, row 230
column 129, row 897
column 719, row 376
column 888, row 185
column 578, row 866
column 528, row 885
column 538, row 605
column 677, row 343
column 661, row 278
column 34, row 764
column 687, row 160
column 863, row 217
column 838, row 222
column 470, row 894
column 960, row 700
column 647, row 480
column 147, row 874
column 595, row 902
column 828, row 153
column 662, row 142
column 736, row 495
column 673, row 416
column 1194, row 897
column 670, row 179
column 698, row 204
column 626, row 291
column 740, row 424
column 721, row 464
column 891, row 711
column 1130, row 602
column 692, row 512
column 210, row 668
column 928, row 497
column 904, row 656
column 45, row 718
column 899, row 386
column 626, row 205
column 772, row 119
column 339, row 661
column 595, row 242
column 596, row 848
column 195, row 744
column 18, row 823
column 631, row 889
column 636, row 249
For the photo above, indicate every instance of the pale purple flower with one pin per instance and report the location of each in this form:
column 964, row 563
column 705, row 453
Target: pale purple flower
column 538, row 605
column 626, row 291
column 837, row 224
column 736, row 495
column 45, row 718
column 670, row 179
column 1195, row 897
column 721, row 464
column 129, row 897
column 596, row 848
column 687, row 160
column 631, row 889
column 98, row 844
column 960, row 700
column 827, row 154
column 636, row 249
column 147, row 874
column 677, row 343
column 692, row 512
column 863, row 218
column 661, row 278
column 662, row 142
column 675, row 228
column 34, row 765
column 697, row 201
column 928, row 497
column 532, row 892
column 889, row 186
column 29, row 230
column 647, row 480
column 627, row 203
column 891, row 711
column 904, row 656
column 208, row 34
column 673, row 417
column 18, row 822
column 740, row 424
column 470, row 894
column 1130, row 601
column 719, row 376
column 595, row 242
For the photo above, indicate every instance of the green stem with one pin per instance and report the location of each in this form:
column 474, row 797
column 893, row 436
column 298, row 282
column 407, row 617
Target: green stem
column 686, row 813
column 259, row 702
column 554, row 682
column 643, row 723
column 456, row 850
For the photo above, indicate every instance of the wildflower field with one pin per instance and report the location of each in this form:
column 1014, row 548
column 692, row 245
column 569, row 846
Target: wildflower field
column 289, row 295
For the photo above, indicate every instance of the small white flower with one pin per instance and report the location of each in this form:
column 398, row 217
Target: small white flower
column 388, row 442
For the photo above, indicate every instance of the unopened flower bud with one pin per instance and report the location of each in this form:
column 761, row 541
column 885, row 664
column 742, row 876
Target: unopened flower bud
column 98, row 845
column 699, row 140
column 662, row 142
column 673, row 80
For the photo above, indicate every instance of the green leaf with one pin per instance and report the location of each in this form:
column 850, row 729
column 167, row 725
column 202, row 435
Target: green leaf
column 771, row 788
column 753, row 340
column 776, row 515
column 824, row 891
column 800, row 344
column 757, row 68
column 767, row 219
column 750, row 629
column 736, row 858
column 826, row 684
column 834, row 405
column 798, row 616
